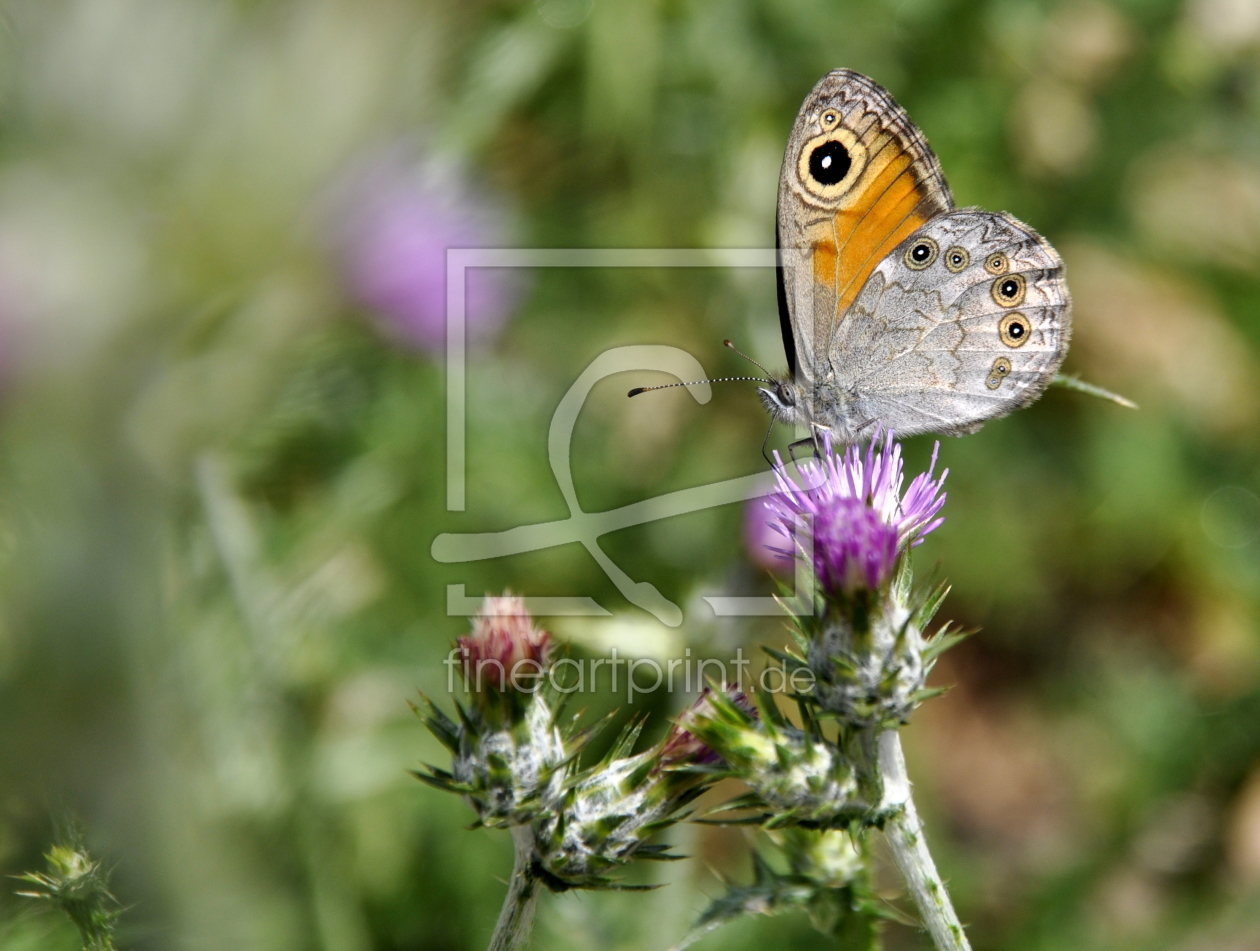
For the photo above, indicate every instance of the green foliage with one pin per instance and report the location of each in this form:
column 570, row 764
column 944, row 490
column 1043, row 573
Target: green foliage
column 220, row 481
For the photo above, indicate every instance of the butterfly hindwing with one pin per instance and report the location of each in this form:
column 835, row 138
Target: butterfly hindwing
column 966, row 320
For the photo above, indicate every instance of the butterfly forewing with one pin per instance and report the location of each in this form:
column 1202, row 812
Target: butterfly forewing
column 858, row 178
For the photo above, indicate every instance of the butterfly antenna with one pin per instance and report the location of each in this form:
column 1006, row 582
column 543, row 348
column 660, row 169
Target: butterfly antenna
column 727, row 343
column 724, row 379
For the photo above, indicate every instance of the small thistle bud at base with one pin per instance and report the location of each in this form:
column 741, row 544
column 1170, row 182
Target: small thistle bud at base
column 79, row 887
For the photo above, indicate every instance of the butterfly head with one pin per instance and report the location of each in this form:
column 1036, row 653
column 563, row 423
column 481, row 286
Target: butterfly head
column 782, row 399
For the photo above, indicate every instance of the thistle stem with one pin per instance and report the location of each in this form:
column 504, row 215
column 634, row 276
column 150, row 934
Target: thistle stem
column 910, row 851
column 516, row 919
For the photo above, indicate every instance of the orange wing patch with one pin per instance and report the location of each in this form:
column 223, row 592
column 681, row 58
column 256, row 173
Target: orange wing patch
column 886, row 209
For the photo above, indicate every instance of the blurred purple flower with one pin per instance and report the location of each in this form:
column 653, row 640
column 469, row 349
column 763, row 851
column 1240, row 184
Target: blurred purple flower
column 861, row 520
column 396, row 224
column 763, row 540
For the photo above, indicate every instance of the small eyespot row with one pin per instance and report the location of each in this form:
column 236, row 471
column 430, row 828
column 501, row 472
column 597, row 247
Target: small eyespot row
column 956, row 259
column 1014, row 330
column 921, row 253
column 998, row 372
column 1009, row 290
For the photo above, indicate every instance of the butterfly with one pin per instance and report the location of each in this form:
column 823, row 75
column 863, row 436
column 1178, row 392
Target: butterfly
column 900, row 311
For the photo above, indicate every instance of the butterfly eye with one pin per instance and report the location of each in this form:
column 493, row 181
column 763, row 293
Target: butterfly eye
column 996, row 263
column 998, row 372
column 829, row 163
column 1014, row 330
column 830, row 118
column 957, row 258
column 1009, row 291
column 921, row 253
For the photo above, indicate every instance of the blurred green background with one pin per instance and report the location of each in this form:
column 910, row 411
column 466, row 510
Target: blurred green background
column 222, row 443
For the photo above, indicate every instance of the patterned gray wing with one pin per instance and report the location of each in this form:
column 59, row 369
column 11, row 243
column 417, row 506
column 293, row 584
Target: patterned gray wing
column 965, row 321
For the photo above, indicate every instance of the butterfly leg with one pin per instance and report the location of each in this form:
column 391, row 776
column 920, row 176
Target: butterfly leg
column 807, row 441
column 765, row 443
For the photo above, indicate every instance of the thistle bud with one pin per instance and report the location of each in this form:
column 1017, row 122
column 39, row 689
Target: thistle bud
column 796, row 776
column 682, row 748
column 505, row 658
column 78, row 885
column 507, row 750
column 609, row 812
column 826, row 876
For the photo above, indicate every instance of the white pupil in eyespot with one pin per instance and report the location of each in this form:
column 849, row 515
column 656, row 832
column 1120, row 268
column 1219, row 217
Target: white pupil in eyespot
column 826, row 162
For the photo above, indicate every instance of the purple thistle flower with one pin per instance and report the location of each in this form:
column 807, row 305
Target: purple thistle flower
column 861, row 520
column 854, row 549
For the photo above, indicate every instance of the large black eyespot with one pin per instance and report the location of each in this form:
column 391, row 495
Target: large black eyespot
column 998, row 372
column 1009, row 290
column 1014, row 330
column 829, row 163
column 921, row 253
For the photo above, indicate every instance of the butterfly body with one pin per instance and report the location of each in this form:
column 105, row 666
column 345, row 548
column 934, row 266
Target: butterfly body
column 900, row 311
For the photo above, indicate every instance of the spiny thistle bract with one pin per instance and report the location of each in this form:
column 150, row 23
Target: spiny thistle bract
column 79, row 886
column 607, row 813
